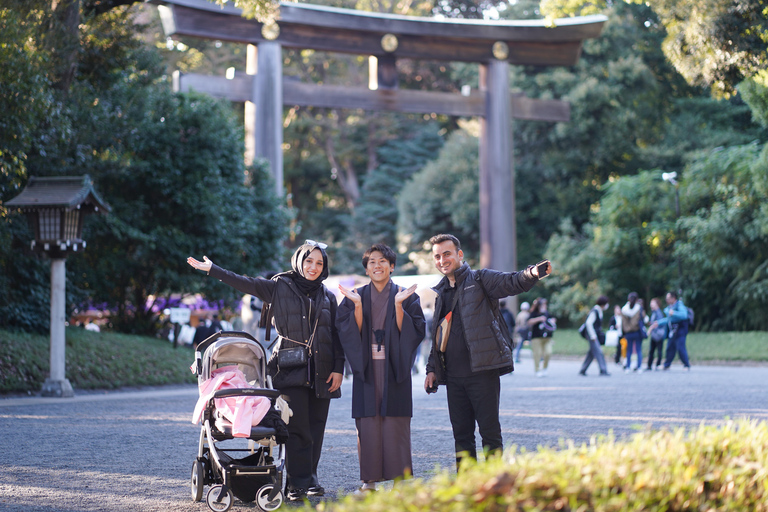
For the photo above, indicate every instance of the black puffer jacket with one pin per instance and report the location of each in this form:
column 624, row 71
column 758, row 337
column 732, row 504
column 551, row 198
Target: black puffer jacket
column 485, row 332
column 292, row 322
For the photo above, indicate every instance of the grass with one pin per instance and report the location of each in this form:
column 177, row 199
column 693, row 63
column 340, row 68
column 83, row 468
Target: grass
column 108, row 360
column 702, row 346
column 95, row 360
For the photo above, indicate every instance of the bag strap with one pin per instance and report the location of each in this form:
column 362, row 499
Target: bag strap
column 307, row 344
column 455, row 299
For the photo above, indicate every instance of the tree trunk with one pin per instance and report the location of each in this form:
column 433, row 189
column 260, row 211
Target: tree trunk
column 66, row 15
column 345, row 173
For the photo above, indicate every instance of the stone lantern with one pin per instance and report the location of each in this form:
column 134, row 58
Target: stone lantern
column 55, row 207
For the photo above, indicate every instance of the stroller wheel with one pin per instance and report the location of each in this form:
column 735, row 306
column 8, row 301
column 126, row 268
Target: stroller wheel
column 198, row 480
column 222, row 505
column 263, row 501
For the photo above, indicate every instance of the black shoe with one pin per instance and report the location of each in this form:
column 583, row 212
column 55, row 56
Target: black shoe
column 296, row 494
column 316, row 490
column 605, row 374
column 583, row 374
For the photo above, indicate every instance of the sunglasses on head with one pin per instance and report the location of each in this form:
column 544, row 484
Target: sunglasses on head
column 316, row 244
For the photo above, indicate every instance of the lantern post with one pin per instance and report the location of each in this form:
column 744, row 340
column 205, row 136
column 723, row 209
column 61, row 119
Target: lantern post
column 55, row 207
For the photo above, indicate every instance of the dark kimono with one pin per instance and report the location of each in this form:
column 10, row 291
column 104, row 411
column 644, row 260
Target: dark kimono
column 381, row 358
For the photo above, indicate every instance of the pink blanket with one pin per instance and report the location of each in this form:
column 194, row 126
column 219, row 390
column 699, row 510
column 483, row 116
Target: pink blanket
column 242, row 411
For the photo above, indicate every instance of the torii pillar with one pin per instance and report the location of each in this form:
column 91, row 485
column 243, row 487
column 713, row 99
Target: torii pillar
column 498, row 231
column 264, row 109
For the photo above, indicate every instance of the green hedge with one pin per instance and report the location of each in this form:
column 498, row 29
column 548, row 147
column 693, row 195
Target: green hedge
column 95, row 360
column 705, row 469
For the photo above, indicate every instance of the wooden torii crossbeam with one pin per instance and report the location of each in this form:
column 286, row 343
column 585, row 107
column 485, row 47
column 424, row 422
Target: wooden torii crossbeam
column 493, row 44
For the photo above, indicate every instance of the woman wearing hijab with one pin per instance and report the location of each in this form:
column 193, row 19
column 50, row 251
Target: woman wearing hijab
column 304, row 313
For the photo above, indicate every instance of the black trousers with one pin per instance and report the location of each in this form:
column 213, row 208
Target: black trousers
column 306, row 430
column 475, row 399
column 658, row 347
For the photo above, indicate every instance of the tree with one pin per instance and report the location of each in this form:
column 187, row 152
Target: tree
column 26, row 100
column 180, row 192
column 630, row 110
column 725, row 250
column 170, row 166
column 444, row 197
column 634, row 241
column 712, row 43
column 626, row 246
column 376, row 219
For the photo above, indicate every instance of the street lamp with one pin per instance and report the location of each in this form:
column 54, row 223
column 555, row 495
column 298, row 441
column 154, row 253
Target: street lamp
column 55, row 208
column 671, row 177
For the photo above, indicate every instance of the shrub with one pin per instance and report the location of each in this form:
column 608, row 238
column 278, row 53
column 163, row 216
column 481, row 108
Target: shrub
column 706, row 468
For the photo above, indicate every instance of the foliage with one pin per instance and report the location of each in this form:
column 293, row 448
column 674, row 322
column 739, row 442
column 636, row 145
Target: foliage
column 375, row 220
column 25, row 96
column 712, row 43
column 167, row 204
column 704, row 468
column 634, row 242
column 444, row 197
column 725, row 249
column 170, row 166
column 755, row 94
column 104, row 360
column 265, row 11
column 25, row 280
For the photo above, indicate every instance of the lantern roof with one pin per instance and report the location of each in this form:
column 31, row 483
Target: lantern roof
column 62, row 192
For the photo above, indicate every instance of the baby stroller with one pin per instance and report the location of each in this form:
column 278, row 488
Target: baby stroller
column 252, row 471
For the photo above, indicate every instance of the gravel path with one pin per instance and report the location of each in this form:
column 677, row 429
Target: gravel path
column 132, row 450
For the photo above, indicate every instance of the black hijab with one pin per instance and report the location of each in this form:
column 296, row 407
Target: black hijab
column 307, row 287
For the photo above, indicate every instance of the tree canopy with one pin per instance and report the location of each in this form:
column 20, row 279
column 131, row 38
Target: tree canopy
column 170, row 165
column 712, row 43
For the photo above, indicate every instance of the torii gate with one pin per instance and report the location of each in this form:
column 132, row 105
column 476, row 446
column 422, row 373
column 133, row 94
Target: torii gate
column 492, row 44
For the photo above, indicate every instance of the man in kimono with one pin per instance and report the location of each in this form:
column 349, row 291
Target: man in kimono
column 381, row 326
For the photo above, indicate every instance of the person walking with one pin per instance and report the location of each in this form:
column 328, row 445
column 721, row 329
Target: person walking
column 522, row 329
column 543, row 326
column 593, row 328
column 471, row 346
column 676, row 321
column 632, row 324
column 381, row 327
column 615, row 325
column 304, row 312
column 657, row 335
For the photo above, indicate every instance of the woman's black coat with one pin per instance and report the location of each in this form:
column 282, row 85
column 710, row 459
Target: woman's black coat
column 292, row 321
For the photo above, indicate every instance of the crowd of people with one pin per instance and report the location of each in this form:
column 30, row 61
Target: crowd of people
column 630, row 326
column 377, row 329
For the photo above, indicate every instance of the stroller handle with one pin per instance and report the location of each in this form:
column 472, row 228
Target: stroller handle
column 215, row 336
column 225, row 393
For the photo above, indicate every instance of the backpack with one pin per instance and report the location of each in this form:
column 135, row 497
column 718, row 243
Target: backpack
column 547, row 328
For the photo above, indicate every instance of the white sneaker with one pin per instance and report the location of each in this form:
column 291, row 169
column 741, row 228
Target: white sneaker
column 539, row 373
